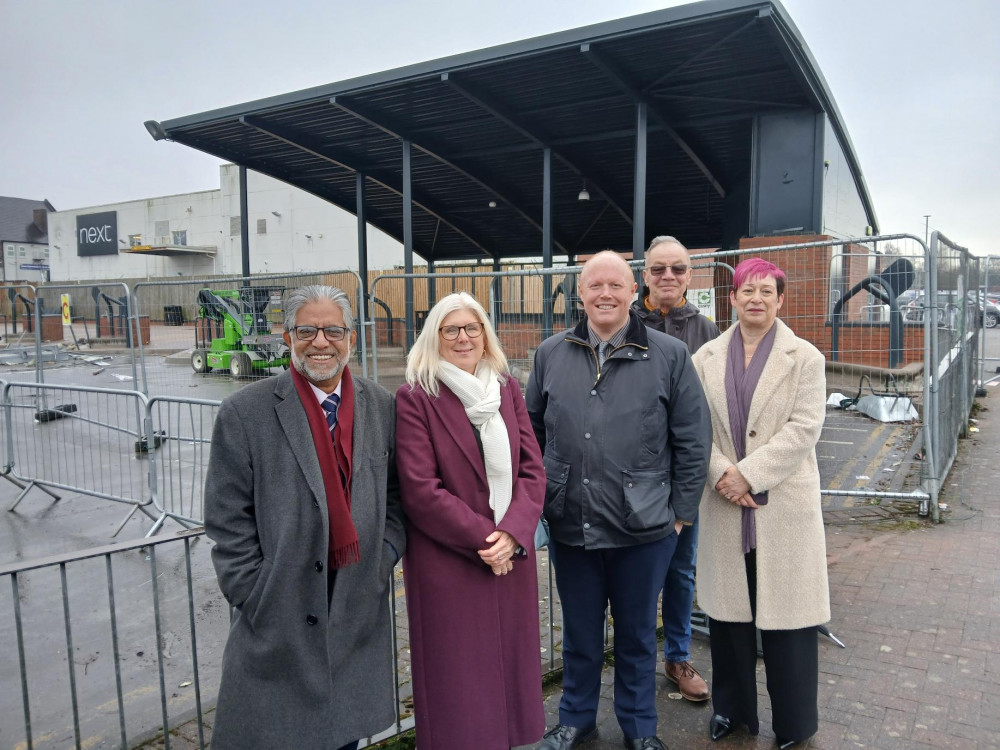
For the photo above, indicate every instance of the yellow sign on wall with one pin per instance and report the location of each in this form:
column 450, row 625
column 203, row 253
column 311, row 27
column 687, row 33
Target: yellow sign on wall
column 64, row 304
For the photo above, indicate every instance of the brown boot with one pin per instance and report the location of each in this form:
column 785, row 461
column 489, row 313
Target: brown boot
column 691, row 684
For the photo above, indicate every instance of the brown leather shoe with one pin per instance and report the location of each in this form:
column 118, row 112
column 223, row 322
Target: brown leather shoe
column 691, row 684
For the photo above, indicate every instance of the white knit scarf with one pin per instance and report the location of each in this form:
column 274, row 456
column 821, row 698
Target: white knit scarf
column 480, row 395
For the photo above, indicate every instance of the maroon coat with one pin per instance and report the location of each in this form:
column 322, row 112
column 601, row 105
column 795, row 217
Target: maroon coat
column 474, row 638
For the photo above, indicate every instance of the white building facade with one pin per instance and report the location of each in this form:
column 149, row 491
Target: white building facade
column 198, row 234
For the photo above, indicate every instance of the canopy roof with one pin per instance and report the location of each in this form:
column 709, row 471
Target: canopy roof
column 478, row 124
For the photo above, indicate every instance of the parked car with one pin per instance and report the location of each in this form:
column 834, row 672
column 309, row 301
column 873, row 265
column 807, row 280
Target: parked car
column 989, row 311
column 946, row 310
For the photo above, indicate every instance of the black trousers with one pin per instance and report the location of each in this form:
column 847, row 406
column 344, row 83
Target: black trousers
column 791, row 663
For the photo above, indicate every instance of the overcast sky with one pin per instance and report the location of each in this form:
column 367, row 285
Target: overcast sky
column 918, row 83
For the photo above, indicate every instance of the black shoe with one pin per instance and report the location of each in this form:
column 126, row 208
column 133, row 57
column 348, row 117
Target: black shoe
column 719, row 727
column 644, row 743
column 562, row 737
column 785, row 744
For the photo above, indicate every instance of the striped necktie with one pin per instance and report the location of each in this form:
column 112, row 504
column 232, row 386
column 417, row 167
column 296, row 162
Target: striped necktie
column 330, row 407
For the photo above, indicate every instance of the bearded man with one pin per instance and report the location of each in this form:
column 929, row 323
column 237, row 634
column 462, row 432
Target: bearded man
column 302, row 503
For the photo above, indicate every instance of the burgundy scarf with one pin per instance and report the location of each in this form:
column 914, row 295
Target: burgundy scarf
column 335, row 463
column 740, row 386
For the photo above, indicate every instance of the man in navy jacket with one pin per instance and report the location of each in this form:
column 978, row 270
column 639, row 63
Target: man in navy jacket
column 625, row 433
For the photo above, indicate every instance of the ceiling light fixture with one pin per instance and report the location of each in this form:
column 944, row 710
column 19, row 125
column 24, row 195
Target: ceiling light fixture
column 492, row 204
column 584, row 193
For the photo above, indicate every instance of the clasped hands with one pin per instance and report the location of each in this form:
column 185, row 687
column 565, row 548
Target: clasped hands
column 735, row 488
column 500, row 554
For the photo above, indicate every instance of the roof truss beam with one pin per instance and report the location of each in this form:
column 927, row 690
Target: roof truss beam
column 622, row 81
column 700, row 55
column 319, row 188
column 489, row 182
column 596, row 181
column 750, row 75
column 727, row 100
column 343, row 159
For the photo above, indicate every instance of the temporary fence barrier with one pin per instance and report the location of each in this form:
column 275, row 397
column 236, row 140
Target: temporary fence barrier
column 850, row 298
column 138, row 645
column 953, row 288
column 866, row 303
column 77, row 439
column 138, row 650
column 179, row 432
column 988, row 300
column 21, row 326
column 89, row 317
column 227, row 326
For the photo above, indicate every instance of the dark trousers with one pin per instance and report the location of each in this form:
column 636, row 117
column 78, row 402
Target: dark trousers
column 351, row 746
column 791, row 663
column 678, row 597
column 630, row 579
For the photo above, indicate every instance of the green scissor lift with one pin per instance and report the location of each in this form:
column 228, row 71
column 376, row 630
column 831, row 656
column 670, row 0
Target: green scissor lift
column 233, row 331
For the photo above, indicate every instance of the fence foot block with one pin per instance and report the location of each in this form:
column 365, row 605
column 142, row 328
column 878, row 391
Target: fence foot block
column 142, row 445
column 58, row 412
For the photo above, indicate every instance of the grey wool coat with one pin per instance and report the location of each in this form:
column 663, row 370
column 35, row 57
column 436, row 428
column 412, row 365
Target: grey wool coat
column 786, row 418
column 297, row 671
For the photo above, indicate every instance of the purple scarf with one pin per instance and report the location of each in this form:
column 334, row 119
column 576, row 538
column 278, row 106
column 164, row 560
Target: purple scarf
column 740, row 386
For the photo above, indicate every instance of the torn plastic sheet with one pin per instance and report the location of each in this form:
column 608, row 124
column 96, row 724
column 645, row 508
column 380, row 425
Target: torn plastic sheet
column 881, row 408
column 887, row 408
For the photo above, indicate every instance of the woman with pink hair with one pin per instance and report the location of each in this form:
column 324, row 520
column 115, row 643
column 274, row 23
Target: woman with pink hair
column 762, row 551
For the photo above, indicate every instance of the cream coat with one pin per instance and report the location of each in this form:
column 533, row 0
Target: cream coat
column 786, row 417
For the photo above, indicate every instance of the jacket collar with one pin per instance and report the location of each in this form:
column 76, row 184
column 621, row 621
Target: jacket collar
column 635, row 333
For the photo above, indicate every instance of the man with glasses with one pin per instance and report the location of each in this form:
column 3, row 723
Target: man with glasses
column 302, row 504
column 663, row 306
column 625, row 434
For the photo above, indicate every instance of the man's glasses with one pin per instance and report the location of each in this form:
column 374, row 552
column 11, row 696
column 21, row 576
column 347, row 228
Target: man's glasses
column 677, row 270
column 472, row 330
column 332, row 333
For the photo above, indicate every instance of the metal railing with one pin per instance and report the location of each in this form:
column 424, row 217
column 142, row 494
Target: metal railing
column 76, row 439
column 125, row 608
column 145, row 624
column 179, row 432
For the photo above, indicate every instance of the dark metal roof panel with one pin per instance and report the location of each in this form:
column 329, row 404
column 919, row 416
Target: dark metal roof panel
column 478, row 123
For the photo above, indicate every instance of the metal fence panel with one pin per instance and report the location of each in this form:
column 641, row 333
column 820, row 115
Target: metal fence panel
column 859, row 301
column 110, row 645
column 180, row 433
column 78, row 439
column 98, row 316
column 145, row 624
column 989, row 340
column 955, row 289
column 224, row 326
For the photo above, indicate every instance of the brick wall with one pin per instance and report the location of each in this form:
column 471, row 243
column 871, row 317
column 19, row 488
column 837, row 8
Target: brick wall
column 807, row 304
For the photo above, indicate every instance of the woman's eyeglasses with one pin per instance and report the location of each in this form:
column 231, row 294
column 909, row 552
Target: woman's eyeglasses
column 450, row 333
column 677, row 270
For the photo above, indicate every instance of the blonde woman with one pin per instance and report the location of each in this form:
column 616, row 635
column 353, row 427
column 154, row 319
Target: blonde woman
column 472, row 489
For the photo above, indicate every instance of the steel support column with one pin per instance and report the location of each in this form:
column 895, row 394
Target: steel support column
column 359, row 191
column 497, row 282
column 432, row 291
column 244, row 224
column 408, row 244
column 546, row 241
column 639, row 199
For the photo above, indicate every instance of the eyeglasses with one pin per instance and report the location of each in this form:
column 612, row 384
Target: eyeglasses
column 472, row 330
column 332, row 333
column 677, row 270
